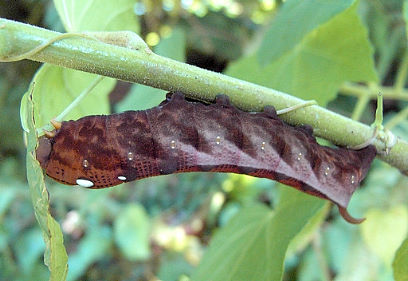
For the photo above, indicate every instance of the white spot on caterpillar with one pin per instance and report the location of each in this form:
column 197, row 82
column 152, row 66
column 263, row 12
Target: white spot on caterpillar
column 122, row 178
column 263, row 145
column 84, row 183
column 130, row 156
column 299, row 156
column 353, row 179
column 85, row 163
column 218, row 140
column 326, row 172
column 173, row 144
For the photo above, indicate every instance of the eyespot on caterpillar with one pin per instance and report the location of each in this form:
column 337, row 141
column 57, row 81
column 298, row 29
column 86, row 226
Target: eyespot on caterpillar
column 182, row 136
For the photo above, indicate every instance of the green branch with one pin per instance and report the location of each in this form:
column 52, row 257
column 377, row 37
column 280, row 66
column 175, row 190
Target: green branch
column 150, row 69
column 357, row 90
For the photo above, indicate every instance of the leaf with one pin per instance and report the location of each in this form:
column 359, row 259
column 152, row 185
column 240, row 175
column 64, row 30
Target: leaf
column 400, row 264
column 141, row 97
column 405, row 15
column 94, row 246
column 131, row 232
column 252, row 246
column 303, row 238
column 55, row 256
column 174, row 46
column 101, row 15
column 56, row 87
column 384, row 231
column 294, row 21
column 336, row 52
column 23, row 113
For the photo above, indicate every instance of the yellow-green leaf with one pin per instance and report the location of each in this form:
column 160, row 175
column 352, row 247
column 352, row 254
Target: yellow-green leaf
column 55, row 255
column 97, row 15
column 331, row 54
column 252, row 246
column 56, row 87
column 384, row 230
column 400, row 264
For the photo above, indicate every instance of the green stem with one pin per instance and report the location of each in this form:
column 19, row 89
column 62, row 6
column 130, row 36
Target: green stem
column 160, row 72
column 378, row 123
column 41, row 47
column 360, row 106
column 402, row 74
column 296, row 107
column 356, row 90
column 322, row 260
column 398, row 118
column 78, row 99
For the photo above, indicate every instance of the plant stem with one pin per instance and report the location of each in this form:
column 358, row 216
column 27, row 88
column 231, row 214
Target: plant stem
column 398, row 118
column 71, row 106
column 322, row 260
column 360, row 106
column 402, row 74
column 150, row 69
column 79, row 98
column 356, row 90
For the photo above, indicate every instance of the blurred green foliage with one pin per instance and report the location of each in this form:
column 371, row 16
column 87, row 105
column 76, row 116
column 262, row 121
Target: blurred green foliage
column 213, row 226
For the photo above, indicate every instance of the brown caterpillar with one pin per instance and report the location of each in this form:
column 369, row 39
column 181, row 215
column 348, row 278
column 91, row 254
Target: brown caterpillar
column 180, row 136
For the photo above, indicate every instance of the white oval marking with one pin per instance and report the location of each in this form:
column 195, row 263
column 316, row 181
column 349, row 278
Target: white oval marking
column 130, row 156
column 263, row 145
column 326, row 172
column 218, row 140
column 299, row 156
column 85, row 163
column 122, row 178
column 84, row 183
column 173, row 144
column 353, row 179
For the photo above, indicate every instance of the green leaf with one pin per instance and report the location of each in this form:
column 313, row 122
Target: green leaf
column 400, row 264
column 336, row 52
column 100, row 15
column 384, row 231
column 23, row 112
column 93, row 247
column 56, row 87
column 405, row 15
column 294, row 21
column 141, row 97
column 131, row 230
column 303, row 238
column 55, row 256
column 174, row 46
column 252, row 246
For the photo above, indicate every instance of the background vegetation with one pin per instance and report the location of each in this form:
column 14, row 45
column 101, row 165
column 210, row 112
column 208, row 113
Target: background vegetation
column 212, row 226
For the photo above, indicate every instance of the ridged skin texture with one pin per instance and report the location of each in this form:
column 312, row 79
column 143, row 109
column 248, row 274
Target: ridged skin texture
column 180, row 136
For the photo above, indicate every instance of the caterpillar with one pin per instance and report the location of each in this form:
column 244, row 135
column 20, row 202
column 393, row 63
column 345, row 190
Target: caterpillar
column 180, row 136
